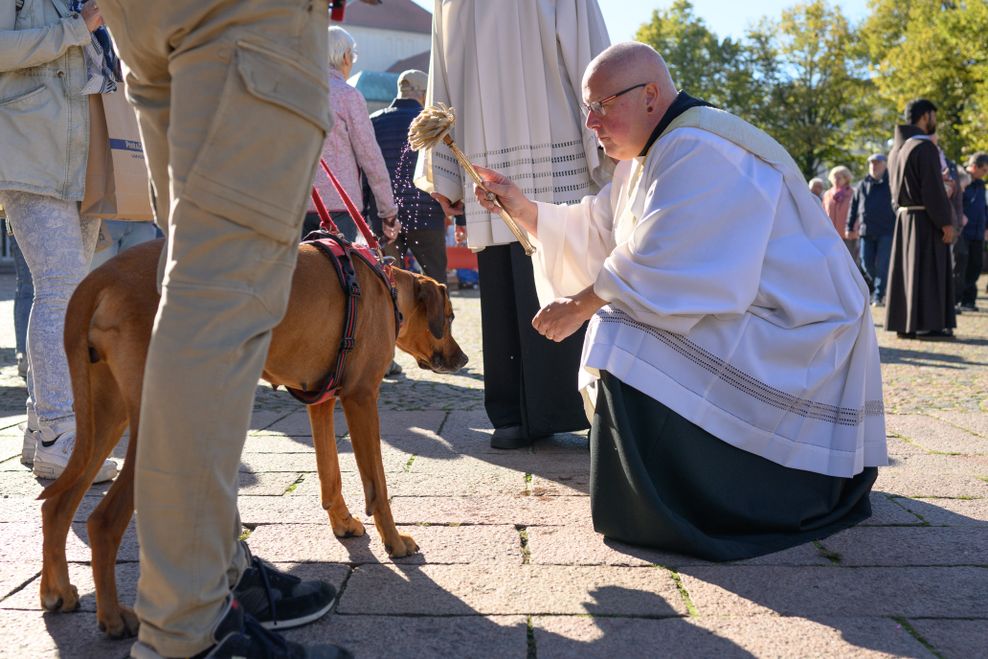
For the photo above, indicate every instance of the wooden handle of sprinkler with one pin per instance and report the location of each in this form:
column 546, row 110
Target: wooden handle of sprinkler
column 518, row 232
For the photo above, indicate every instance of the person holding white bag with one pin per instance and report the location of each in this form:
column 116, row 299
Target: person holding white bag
column 49, row 62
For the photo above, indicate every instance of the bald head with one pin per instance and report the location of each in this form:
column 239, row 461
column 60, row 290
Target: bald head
column 639, row 76
column 632, row 60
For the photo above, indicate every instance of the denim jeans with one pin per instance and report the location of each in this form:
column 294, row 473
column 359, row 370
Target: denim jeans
column 23, row 296
column 57, row 246
column 123, row 234
column 875, row 254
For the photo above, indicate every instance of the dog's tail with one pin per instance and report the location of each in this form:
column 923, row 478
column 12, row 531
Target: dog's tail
column 78, row 315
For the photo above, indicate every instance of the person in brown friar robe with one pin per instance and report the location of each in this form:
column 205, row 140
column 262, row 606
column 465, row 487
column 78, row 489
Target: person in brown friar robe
column 920, row 295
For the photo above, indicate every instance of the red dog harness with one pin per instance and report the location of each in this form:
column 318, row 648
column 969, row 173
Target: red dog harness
column 340, row 252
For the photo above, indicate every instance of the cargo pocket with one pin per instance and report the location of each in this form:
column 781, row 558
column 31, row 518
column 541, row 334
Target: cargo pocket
column 255, row 166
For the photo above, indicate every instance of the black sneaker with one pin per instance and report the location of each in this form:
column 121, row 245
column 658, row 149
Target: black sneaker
column 278, row 600
column 241, row 636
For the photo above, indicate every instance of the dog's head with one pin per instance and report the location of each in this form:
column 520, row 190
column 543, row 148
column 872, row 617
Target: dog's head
column 426, row 332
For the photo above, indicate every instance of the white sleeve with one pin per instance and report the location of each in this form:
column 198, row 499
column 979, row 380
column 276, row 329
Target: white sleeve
column 572, row 243
column 698, row 248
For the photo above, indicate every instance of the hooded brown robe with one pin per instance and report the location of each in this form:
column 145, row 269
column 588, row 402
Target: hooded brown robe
column 921, row 290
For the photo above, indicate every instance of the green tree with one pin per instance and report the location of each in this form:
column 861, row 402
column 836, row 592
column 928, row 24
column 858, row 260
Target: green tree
column 936, row 49
column 699, row 61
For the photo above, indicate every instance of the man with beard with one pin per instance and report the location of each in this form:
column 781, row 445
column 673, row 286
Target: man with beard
column 920, row 295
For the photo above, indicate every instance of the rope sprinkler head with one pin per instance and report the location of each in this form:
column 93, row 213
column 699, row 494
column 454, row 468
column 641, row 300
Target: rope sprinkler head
column 431, row 126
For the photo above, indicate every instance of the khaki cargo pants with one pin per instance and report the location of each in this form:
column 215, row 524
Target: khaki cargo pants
column 233, row 106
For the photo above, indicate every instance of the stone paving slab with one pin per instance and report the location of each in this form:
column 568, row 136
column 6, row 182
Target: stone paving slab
column 575, row 485
column 562, row 464
column 466, row 637
column 738, row 590
column 581, row 545
column 922, row 476
column 975, row 422
column 23, row 541
column 757, row 636
column 499, row 590
column 81, row 576
column 518, row 509
column 902, row 546
column 267, row 483
column 955, row 639
column 494, row 480
column 437, row 544
column 948, row 512
column 934, row 435
column 886, row 511
column 57, row 636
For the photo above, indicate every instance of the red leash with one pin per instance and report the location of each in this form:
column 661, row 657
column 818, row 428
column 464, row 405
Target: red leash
column 327, row 222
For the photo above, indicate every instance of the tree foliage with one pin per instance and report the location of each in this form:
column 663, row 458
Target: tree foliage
column 935, row 49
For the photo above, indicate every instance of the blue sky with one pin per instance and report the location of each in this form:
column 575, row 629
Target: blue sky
column 724, row 17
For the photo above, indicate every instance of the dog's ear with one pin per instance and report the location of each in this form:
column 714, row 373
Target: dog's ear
column 430, row 295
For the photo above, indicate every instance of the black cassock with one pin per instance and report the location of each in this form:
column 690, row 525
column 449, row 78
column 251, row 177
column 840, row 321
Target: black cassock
column 920, row 293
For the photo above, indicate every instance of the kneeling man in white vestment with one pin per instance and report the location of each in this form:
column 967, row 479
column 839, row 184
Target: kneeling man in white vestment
column 730, row 361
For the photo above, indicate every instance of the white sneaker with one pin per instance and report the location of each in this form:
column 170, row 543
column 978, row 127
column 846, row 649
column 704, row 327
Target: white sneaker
column 50, row 461
column 30, row 441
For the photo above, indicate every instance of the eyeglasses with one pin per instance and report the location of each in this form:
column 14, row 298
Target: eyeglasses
column 598, row 107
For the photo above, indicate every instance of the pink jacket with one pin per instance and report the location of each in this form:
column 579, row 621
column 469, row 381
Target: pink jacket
column 351, row 147
column 837, row 203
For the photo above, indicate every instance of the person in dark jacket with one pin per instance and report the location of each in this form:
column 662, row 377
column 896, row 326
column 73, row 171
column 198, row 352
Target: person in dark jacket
column 422, row 219
column 873, row 221
column 921, row 289
column 973, row 236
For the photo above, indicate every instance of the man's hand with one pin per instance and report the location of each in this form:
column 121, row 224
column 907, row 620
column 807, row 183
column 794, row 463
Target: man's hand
column 948, row 234
column 391, row 226
column 852, row 234
column 511, row 197
column 460, row 234
column 449, row 208
column 91, row 14
column 558, row 320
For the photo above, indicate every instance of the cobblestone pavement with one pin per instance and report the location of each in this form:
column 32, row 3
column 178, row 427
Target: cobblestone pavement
column 509, row 564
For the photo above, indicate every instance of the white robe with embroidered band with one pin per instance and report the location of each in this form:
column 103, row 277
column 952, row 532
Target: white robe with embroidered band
column 535, row 135
column 731, row 299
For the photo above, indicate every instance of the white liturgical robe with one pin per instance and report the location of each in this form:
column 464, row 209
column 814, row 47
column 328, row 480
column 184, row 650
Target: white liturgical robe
column 513, row 71
column 731, row 299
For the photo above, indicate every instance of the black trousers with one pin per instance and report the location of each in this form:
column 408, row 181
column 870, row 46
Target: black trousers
column 429, row 248
column 967, row 269
column 659, row 480
column 528, row 380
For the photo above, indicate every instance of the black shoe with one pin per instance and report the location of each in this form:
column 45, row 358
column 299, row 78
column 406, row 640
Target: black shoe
column 905, row 335
column 512, row 437
column 936, row 335
column 969, row 307
column 278, row 600
column 240, row 635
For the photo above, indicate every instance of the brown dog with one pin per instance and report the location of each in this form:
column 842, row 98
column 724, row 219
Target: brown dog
column 107, row 331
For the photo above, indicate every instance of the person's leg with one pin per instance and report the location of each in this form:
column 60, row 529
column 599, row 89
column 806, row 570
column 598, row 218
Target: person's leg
column 867, row 248
column 975, row 256
column 429, row 248
column 549, row 398
column 345, row 224
column 232, row 231
column 958, row 252
column 499, row 330
column 23, row 299
column 883, row 254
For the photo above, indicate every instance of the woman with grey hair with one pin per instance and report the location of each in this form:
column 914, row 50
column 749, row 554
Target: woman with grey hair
column 351, row 147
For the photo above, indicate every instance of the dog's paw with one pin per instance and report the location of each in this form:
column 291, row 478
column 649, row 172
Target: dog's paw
column 347, row 528
column 65, row 602
column 404, row 547
column 119, row 624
